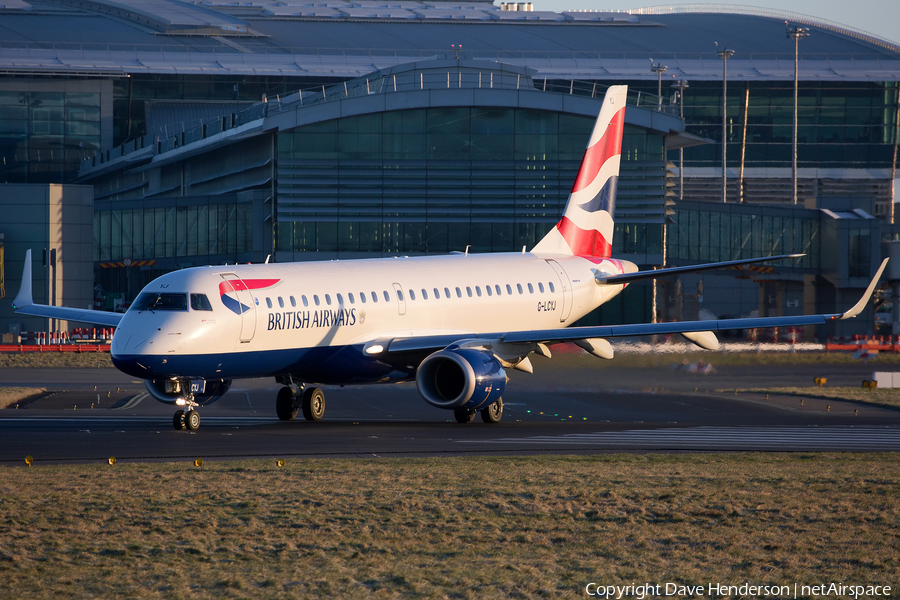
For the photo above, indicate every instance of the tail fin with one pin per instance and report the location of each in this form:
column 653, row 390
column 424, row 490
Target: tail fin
column 586, row 228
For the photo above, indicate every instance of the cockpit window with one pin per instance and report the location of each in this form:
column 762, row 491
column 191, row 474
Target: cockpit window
column 200, row 302
column 153, row 301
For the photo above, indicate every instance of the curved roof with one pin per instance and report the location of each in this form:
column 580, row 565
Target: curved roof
column 345, row 38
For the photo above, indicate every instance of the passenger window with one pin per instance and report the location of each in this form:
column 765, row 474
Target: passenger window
column 352, row 300
column 437, row 294
column 362, row 297
column 305, row 301
column 200, row 302
column 316, row 299
column 400, row 295
column 478, row 290
column 458, row 293
column 374, row 297
column 509, row 289
column 387, row 297
column 469, row 291
column 269, row 302
column 519, row 287
column 530, row 289
column 541, row 287
column 340, row 299
column 280, row 302
column 328, row 299
column 487, row 288
column 293, row 302
column 412, row 294
column 424, row 294
column 447, row 292
column 552, row 289
column 497, row 287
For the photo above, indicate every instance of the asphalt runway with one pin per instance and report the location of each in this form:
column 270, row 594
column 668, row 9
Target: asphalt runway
column 572, row 405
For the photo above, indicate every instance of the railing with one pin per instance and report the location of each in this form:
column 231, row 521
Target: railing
column 172, row 137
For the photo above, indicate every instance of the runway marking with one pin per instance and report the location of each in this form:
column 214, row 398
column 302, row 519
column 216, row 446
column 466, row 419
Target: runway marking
column 133, row 402
column 724, row 438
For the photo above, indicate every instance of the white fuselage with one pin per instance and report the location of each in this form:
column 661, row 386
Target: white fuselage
column 300, row 318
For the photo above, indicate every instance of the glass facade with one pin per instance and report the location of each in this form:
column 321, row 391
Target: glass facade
column 706, row 232
column 44, row 136
column 839, row 124
column 172, row 231
column 131, row 94
column 440, row 179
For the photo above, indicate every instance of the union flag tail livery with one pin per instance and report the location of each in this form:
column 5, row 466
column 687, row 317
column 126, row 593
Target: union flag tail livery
column 586, row 228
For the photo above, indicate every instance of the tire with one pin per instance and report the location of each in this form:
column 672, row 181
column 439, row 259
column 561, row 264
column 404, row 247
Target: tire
column 313, row 404
column 192, row 420
column 178, row 420
column 464, row 415
column 493, row 412
column 284, row 404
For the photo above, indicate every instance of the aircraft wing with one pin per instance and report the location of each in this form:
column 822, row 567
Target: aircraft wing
column 629, row 277
column 550, row 336
column 24, row 305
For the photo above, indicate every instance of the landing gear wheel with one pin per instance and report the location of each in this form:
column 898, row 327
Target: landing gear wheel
column 178, row 420
column 493, row 412
column 464, row 415
column 284, row 404
column 313, row 404
column 192, row 419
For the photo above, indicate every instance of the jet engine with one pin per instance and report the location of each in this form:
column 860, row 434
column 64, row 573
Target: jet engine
column 170, row 391
column 461, row 378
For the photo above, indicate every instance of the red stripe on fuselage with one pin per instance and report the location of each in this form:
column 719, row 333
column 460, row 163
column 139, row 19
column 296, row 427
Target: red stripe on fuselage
column 239, row 285
column 610, row 145
column 584, row 242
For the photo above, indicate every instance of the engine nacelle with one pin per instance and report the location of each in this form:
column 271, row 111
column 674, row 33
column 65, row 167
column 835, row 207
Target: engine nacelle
column 170, row 391
column 461, row 378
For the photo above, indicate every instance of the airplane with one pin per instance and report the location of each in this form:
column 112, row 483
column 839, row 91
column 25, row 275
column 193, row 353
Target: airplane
column 451, row 323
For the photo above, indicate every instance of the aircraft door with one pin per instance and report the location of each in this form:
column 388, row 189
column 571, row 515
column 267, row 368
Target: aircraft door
column 401, row 298
column 566, row 284
column 237, row 297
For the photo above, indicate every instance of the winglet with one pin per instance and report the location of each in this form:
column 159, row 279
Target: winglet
column 865, row 298
column 24, row 297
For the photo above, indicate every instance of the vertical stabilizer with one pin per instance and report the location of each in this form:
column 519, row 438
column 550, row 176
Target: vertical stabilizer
column 586, row 228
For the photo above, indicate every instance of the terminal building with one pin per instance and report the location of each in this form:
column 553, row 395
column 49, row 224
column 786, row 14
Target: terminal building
column 232, row 132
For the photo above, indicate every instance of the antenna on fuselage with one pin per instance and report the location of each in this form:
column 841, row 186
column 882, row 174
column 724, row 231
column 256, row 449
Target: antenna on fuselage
column 267, row 258
column 467, row 249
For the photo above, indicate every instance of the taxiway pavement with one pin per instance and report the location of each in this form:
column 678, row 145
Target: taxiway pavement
column 573, row 404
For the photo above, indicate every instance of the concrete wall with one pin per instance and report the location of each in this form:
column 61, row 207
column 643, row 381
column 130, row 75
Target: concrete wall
column 46, row 218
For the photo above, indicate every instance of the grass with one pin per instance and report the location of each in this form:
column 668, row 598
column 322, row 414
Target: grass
column 11, row 395
column 883, row 397
column 446, row 527
column 57, row 360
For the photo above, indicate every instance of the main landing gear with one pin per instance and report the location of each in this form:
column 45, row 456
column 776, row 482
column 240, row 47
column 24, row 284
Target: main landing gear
column 310, row 400
column 492, row 413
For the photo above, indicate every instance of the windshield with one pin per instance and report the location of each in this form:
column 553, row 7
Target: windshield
column 153, row 301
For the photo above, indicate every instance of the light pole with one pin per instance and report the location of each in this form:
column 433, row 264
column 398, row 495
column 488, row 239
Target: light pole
column 680, row 86
column 659, row 69
column 796, row 33
column 724, row 54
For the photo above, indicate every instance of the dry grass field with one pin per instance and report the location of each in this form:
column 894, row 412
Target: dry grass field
column 446, row 527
